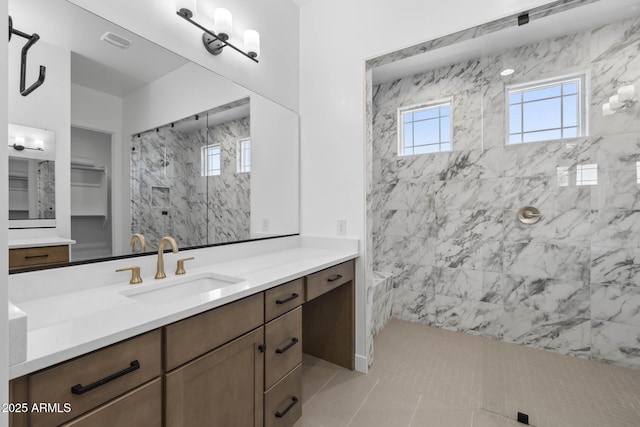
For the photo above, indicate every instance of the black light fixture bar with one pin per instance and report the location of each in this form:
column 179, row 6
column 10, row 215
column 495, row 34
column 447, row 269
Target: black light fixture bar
column 184, row 15
column 19, row 147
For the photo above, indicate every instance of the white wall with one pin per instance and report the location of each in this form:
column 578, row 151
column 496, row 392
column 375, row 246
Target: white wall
column 48, row 107
column 336, row 37
column 277, row 74
column 94, row 110
column 274, row 168
column 4, row 224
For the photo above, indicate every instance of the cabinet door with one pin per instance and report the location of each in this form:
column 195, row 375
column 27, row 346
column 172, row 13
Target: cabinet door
column 223, row 388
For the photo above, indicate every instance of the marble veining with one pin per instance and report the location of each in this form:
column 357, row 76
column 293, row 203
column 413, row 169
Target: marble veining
column 445, row 226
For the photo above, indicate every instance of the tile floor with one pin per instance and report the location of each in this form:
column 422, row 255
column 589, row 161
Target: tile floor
column 429, row 377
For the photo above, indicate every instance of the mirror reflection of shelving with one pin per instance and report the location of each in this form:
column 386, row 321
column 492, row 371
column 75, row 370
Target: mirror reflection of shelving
column 90, row 194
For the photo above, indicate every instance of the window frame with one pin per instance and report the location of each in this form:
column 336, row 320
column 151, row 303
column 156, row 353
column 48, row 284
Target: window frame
column 582, row 92
column 204, row 158
column 241, row 165
column 438, row 103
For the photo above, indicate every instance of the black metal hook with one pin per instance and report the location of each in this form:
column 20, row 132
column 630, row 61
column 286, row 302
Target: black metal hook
column 31, row 40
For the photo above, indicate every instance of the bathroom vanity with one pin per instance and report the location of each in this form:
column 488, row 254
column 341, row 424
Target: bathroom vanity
column 242, row 351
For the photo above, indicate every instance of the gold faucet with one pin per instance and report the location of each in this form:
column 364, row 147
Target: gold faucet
column 138, row 238
column 160, row 273
column 135, row 274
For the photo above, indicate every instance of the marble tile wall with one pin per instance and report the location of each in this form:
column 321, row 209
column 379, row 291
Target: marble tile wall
column 445, row 224
column 170, row 197
column 46, row 190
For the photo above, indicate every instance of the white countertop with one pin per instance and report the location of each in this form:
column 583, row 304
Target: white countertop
column 65, row 325
column 39, row 242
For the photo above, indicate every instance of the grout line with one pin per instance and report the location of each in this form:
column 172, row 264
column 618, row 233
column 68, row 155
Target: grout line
column 363, row 402
column 321, row 388
column 415, row 411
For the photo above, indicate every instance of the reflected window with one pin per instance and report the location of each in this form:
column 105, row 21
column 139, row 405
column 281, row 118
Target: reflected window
column 425, row 128
column 243, row 154
column 587, row 174
column 563, row 176
column 210, row 164
column 546, row 110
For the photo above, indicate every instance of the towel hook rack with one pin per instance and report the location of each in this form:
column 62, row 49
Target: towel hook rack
column 31, row 40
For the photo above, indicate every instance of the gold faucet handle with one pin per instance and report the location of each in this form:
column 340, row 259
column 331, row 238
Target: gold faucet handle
column 180, row 269
column 135, row 274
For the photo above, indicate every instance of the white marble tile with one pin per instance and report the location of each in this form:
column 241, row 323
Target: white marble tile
column 572, row 226
column 539, row 329
column 615, row 303
column 414, row 306
column 474, row 317
column 565, row 297
column 615, row 266
column 616, row 228
column 616, row 342
column 547, row 260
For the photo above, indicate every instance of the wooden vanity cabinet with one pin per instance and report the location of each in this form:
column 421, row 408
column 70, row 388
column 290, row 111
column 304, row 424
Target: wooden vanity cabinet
column 222, row 388
column 328, row 321
column 37, row 256
column 141, row 407
column 235, row 365
column 91, row 383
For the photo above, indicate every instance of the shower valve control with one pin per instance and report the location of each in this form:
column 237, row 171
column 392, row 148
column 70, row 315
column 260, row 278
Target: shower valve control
column 529, row 215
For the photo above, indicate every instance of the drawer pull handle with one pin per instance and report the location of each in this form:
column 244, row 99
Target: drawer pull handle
column 334, row 278
column 284, row 301
column 36, row 256
column 79, row 389
column 294, row 400
column 293, row 342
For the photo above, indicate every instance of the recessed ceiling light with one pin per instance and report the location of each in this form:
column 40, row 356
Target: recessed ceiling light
column 116, row 40
column 507, row 72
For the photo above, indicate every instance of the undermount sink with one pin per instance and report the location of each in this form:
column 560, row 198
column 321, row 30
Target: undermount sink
column 177, row 288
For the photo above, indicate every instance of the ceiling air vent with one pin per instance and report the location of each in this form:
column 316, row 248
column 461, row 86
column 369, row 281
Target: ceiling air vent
column 116, row 40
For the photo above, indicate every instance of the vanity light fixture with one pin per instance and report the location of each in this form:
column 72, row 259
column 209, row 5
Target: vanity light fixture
column 621, row 101
column 507, row 72
column 223, row 23
column 20, row 144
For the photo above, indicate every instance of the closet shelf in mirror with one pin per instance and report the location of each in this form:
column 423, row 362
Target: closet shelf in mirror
column 89, row 168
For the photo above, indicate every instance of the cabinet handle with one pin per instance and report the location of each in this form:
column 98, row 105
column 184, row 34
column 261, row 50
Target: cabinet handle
column 291, row 298
column 293, row 342
column 334, row 278
column 294, row 400
column 79, row 389
column 36, row 256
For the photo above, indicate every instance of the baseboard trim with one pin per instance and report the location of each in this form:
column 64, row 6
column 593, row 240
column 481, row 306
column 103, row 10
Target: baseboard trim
column 361, row 364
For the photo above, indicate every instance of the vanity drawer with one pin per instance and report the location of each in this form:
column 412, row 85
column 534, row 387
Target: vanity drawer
column 328, row 279
column 93, row 379
column 28, row 257
column 283, row 298
column 189, row 338
column 283, row 338
column 283, row 403
column 141, row 407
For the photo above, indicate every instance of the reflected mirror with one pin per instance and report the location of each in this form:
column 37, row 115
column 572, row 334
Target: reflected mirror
column 31, row 195
column 149, row 142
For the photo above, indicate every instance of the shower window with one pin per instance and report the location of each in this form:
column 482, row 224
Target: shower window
column 546, row 110
column 243, row 151
column 210, row 164
column 425, row 128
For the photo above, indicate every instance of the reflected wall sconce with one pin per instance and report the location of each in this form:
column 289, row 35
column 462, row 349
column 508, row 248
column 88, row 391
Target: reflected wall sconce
column 223, row 24
column 621, row 101
column 20, row 144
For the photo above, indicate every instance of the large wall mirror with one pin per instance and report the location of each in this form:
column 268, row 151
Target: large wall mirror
column 146, row 141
